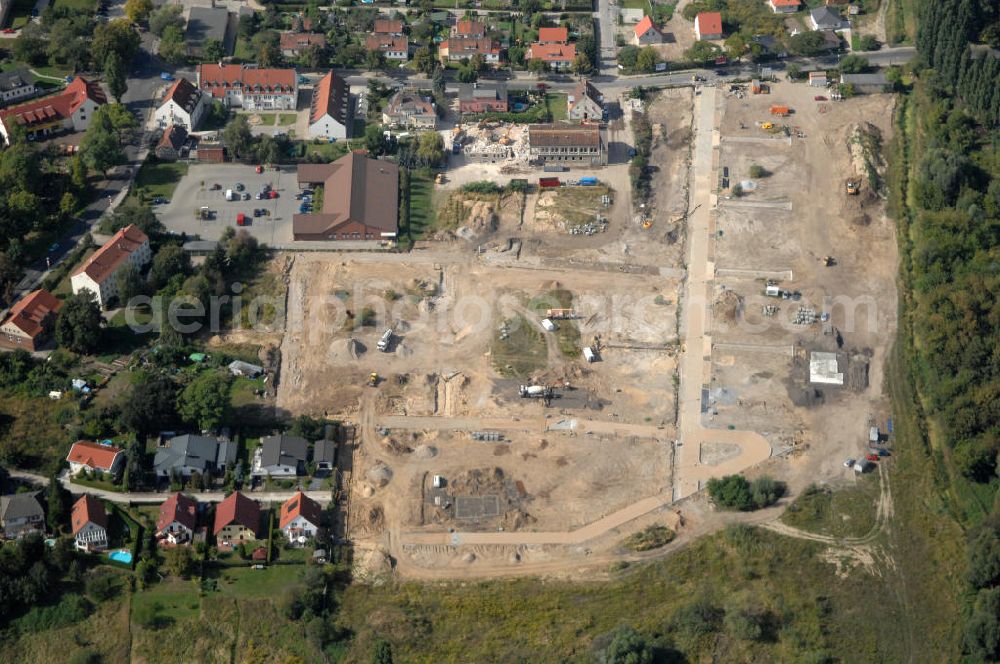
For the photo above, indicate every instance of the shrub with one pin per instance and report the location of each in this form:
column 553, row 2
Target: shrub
column 481, row 187
column 652, row 537
column 737, row 493
column 758, row 171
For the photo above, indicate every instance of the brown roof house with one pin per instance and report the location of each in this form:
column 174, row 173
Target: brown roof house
column 482, row 98
column 184, row 105
column 330, row 113
column 90, row 524
column 173, row 139
column 31, row 321
column 393, row 48
column 568, row 145
column 237, row 519
column 301, row 517
column 585, row 102
column 408, row 108
column 360, row 200
column 178, row 519
column 294, row 44
column 70, row 109
column 129, row 246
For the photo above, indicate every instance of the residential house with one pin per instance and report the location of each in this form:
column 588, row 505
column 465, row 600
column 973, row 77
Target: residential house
column 866, row 83
column 129, row 246
column 30, row 322
column 470, row 29
column 325, row 455
column 183, row 105
column 294, row 44
column 407, row 108
column 360, row 201
column 567, row 145
column 457, row 49
column 16, row 85
column 556, row 56
column 330, row 112
column 393, row 48
column 784, row 6
column 170, row 144
column 20, row 514
column 824, row 18
column 237, row 519
column 91, row 456
column 385, row 26
column 184, row 455
column 585, row 102
column 646, row 32
column 70, row 109
column 178, row 519
column 553, row 36
column 708, row 26
column 251, row 88
column 301, row 517
column 281, row 456
column 208, row 23
column 89, row 523
column 482, row 98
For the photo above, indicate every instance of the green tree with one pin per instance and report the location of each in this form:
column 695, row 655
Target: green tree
column 57, row 514
column 31, row 45
column 170, row 260
column 114, row 76
column 628, row 647
column 172, row 47
column 206, row 400
column 736, row 46
column 982, row 629
column 266, row 46
column 212, row 50
column 133, row 213
column 808, row 43
column 702, row 52
column 984, row 559
column 374, row 60
column 382, row 652
column 582, row 65
column 138, row 11
column 117, row 35
column 537, row 66
column 164, row 17
column 424, row 61
column 430, row 150
column 793, row 71
column 67, row 204
column 870, row 43
column 757, row 171
column 647, row 59
column 150, row 406
column 237, row 137
column 478, row 63
column 854, row 64
column 100, row 148
column 374, row 140
column 628, row 56
column 178, row 561
column 78, row 327
column 130, row 284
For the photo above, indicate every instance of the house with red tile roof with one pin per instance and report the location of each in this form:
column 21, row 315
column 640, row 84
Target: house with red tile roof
column 30, row 322
column 88, row 455
column 385, row 26
column 556, row 56
column 330, row 112
column 708, row 26
column 184, row 105
column 784, row 6
column 237, row 519
column 301, row 517
column 89, row 523
column 457, row 49
column 470, row 29
column 646, row 32
column 252, row 88
column 294, row 44
column 129, row 246
column 393, row 48
column 178, row 519
column 70, row 109
column 553, row 36
column 171, row 143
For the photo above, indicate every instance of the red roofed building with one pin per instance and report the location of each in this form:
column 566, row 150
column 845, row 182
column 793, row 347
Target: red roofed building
column 646, row 32
column 457, row 49
column 708, row 26
column 784, row 6
column 556, row 56
column 466, row 28
column 553, row 36
column 330, row 113
column 90, row 524
column 237, row 519
column 249, row 87
column 184, row 104
column 385, row 26
column 294, row 44
column 129, row 246
column 70, row 109
column 30, row 322
column 301, row 516
column 88, row 455
column 178, row 519
column 394, row 48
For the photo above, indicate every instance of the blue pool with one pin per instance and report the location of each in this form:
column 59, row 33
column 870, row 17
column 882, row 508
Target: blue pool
column 120, row 557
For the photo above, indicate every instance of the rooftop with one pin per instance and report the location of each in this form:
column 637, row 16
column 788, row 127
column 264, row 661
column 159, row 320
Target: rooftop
column 237, row 509
column 251, row 79
column 356, row 188
column 103, row 262
column 88, row 509
column 15, row 79
column 300, row 505
column 564, row 135
column 184, row 94
column 824, row 369
column 206, row 23
column 283, row 450
column 93, row 455
column 332, row 97
column 560, row 35
column 644, row 26
column 54, row 107
column 31, row 311
column 709, row 23
column 180, row 508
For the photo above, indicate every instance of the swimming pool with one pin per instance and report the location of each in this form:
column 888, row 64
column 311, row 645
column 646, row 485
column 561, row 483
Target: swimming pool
column 120, row 557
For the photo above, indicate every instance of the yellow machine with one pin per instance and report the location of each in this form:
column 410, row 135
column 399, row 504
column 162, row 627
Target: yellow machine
column 767, row 125
column 373, row 379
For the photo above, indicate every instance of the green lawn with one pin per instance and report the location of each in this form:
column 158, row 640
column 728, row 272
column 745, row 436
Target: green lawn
column 243, row 390
column 327, row 151
column 266, row 119
column 557, row 106
column 422, row 215
column 247, row 583
column 286, row 119
column 567, row 332
column 160, row 178
column 174, row 598
column 846, row 512
column 636, row 4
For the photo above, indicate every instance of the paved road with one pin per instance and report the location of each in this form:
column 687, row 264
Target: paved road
column 156, row 498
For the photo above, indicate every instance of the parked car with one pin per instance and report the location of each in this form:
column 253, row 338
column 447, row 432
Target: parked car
column 259, row 195
column 166, row 76
column 239, row 186
column 246, row 195
column 160, row 200
column 871, row 457
column 849, row 462
column 259, row 169
column 272, row 194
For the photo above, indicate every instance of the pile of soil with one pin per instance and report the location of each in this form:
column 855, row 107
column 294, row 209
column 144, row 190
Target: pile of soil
column 379, row 475
column 728, row 306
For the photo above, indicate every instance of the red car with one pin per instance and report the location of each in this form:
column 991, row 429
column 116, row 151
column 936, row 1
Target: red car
column 272, row 194
column 242, row 220
column 871, row 457
column 9, row 31
column 819, row 98
column 259, row 169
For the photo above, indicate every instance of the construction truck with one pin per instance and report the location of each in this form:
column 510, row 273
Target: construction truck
column 767, row 125
column 780, row 111
column 852, row 186
column 560, row 314
column 535, row 392
column 385, row 340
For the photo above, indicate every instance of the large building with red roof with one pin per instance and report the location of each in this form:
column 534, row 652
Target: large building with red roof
column 178, row 519
column 30, row 322
column 70, row 109
column 129, row 246
column 88, row 455
column 330, row 113
column 252, row 88
column 183, row 105
column 237, row 519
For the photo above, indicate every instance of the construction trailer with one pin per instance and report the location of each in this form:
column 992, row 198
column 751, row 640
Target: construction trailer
column 385, row 340
column 560, row 314
column 589, row 354
column 781, row 111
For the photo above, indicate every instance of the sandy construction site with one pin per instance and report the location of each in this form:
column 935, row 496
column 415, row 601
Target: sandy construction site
column 698, row 371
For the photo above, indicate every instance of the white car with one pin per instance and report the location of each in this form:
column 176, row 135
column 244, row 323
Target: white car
column 849, row 463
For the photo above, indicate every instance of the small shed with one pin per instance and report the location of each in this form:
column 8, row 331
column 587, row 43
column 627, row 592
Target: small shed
column 241, row 368
column 589, row 354
column 548, row 325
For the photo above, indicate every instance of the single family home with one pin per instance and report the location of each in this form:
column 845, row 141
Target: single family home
column 585, row 102
column 646, row 32
column 784, row 6
column 708, row 26
column 301, row 517
column 237, row 519
column 20, row 514
column 184, row 455
column 280, row 456
column 89, row 523
column 178, row 519
column 91, row 456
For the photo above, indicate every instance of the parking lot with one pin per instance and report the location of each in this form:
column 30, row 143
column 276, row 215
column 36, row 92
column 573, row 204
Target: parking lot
column 194, row 191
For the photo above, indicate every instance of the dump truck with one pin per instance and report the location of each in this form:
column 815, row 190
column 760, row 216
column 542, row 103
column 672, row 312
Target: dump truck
column 767, row 125
column 852, row 186
column 588, row 181
column 548, row 183
column 535, row 392
column 385, row 340
column 781, row 111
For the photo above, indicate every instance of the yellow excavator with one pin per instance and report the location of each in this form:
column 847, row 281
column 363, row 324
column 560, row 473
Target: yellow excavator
column 373, row 379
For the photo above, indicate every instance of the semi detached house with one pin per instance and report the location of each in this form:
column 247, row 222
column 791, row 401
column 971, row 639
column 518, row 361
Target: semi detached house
column 239, row 86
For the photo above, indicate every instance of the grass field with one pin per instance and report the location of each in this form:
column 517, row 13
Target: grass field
column 522, row 352
column 842, row 513
column 285, row 119
column 160, row 178
column 567, row 332
column 422, row 213
column 327, row 151
column 557, row 107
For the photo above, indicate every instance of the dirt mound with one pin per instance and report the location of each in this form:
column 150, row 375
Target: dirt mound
column 342, row 350
column 379, row 475
column 728, row 306
column 394, row 447
column 425, row 452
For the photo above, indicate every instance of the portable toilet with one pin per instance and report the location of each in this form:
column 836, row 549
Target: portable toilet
column 588, row 354
column 437, row 481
